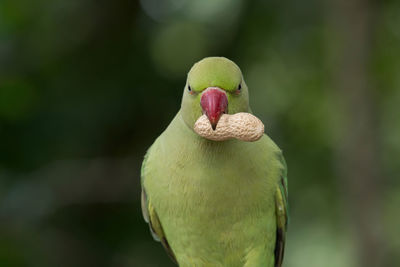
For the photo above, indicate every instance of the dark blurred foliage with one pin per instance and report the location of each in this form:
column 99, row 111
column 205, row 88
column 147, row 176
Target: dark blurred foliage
column 86, row 87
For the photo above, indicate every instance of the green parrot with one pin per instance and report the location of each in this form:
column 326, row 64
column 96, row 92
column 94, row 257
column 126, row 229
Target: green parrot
column 215, row 203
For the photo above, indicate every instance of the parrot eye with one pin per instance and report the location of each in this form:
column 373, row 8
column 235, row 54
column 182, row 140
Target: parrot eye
column 190, row 90
column 239, row 89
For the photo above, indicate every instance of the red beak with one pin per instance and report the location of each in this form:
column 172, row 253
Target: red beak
column 214, row 103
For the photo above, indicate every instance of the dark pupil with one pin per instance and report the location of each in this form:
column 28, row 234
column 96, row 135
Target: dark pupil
column 240, row 87
column 189, row 88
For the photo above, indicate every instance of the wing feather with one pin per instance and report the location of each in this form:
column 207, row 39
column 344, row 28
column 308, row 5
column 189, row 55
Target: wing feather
column 281, row 205
column 151, row 217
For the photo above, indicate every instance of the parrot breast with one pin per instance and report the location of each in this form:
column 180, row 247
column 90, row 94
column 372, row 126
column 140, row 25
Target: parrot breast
column 215, row 200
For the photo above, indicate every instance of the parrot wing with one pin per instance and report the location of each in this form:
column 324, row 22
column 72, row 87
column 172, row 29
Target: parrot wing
column 282, row 215
column 151, row 217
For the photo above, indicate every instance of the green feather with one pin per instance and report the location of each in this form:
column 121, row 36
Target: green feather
column 215, row 203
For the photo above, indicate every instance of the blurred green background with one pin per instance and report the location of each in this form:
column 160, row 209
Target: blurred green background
column 86, row 87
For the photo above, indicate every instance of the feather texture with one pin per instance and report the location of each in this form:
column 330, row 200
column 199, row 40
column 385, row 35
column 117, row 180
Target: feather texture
column 216, row 203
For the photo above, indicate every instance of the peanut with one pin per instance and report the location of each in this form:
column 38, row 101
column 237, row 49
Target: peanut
column 242, row 126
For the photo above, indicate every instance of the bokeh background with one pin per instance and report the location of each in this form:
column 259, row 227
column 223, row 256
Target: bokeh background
column 86, row 86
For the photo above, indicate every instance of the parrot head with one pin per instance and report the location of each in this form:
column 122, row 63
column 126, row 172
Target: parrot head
column 214, row 86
